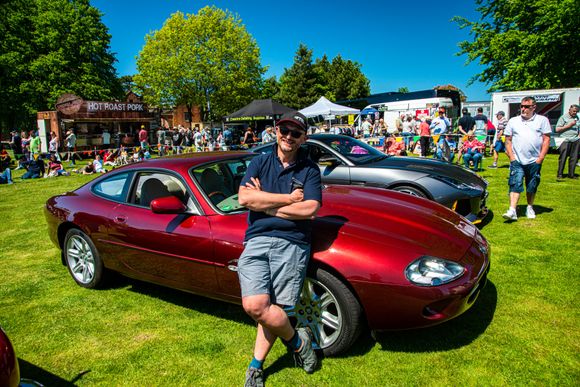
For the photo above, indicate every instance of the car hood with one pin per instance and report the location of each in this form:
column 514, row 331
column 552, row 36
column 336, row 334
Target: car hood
column 430, row 167
column 388, row 219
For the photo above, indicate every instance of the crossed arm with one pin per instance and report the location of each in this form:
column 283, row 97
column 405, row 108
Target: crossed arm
column 287, row 206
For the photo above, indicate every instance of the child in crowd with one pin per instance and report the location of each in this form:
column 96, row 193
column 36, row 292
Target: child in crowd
column 55, row 167
column 472, row 151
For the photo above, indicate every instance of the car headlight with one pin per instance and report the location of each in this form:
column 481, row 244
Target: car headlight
column 454, row 183
column 432, row 271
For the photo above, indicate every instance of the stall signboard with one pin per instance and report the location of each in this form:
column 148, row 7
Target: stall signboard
column 539, row 98
column 95, row 106
column 422, row 113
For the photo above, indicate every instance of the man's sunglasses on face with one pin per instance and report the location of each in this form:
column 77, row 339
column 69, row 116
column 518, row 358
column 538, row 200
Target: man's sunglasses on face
column 527, row 106
column 294, row 133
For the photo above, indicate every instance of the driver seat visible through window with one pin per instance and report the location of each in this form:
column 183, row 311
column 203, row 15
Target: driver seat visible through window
column 152, row 189
column 214, row 186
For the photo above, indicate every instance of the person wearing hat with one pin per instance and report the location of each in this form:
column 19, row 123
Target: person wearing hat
column 283, row 191
column 16, row 144
column 498, row 144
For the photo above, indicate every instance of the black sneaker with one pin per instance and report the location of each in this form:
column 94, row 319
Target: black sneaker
column 254, row 377
column 305, row 357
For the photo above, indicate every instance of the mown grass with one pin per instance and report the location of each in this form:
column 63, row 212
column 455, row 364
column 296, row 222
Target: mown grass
column 523, row 330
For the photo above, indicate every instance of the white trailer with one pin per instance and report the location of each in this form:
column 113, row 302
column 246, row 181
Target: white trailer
column 552, row 103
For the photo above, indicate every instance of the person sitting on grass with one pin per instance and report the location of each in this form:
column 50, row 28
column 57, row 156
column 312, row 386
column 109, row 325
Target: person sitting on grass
column 472, row 151
column 98, row 165
column 34, row 169
column 6, row 177
column 4, row 158
column 55, row 167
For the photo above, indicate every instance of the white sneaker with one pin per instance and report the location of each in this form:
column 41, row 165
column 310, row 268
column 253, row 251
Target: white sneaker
column 530, row 213
column 511, row 214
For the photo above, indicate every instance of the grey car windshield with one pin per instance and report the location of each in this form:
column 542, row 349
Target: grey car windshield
column 356, row 151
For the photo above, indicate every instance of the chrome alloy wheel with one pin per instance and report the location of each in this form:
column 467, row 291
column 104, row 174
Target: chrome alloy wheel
column 319, row 310
column 80, row 259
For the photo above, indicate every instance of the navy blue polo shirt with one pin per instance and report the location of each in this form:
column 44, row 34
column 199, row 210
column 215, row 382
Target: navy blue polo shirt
column 274, row 178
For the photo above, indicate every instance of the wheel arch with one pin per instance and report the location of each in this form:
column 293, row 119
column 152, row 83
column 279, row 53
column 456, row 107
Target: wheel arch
column 411, row 185
column 316, row 264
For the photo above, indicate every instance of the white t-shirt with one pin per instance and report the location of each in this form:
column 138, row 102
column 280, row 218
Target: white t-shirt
column 527, row 136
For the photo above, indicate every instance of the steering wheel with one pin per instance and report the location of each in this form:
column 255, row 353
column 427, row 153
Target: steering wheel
column 217, row 194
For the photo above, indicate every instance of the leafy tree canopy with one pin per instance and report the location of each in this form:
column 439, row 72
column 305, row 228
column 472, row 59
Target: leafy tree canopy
column 207, row 59
column 50, row 47
column 524, row 44
column 304, row 82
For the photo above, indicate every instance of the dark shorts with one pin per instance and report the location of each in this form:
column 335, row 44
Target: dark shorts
column 518, row 173
column 499, row 146
column 273, row 266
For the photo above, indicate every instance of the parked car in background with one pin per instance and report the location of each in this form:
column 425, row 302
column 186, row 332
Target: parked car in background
column 380, row 258
column 346, row 160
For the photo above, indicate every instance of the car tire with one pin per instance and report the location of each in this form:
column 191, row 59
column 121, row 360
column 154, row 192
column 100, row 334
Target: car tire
column 82, row 259
column 410, row 190
column 331, row 311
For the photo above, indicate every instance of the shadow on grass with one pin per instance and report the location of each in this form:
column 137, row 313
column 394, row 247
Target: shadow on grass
column 30, row 371
column 487, row 220
column 538, row 209
column 453, row 334
column 191, row 301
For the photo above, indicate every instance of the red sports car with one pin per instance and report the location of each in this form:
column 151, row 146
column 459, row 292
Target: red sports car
column 380, row 258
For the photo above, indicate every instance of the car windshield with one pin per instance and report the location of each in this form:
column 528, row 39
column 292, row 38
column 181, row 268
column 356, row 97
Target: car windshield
column 356, row 151
column 220, row 182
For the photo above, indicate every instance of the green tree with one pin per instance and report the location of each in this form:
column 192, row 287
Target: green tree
column 270, row 88
column 524, row 44
column 127, row 83
column 207, row 60
column 347, row 80
column 50, row 47
column 300, row 85
column 403, row 89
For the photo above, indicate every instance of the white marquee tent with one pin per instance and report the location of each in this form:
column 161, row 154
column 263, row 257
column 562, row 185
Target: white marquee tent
column 323, row 107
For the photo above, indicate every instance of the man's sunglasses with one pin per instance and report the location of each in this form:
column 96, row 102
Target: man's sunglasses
column 527, row 106
column 294, row 133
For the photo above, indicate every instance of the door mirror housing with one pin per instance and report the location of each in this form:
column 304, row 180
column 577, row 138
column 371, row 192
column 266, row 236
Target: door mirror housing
column 168, row 205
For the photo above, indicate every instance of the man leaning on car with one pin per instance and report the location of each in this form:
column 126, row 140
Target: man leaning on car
column 282, row 190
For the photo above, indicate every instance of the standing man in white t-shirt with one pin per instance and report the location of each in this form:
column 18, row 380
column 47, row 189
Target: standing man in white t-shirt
column 527, row 139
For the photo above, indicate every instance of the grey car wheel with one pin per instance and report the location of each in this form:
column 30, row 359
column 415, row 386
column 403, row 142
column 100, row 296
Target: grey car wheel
column 330, row 310
column 410, row 190
column 82, row 259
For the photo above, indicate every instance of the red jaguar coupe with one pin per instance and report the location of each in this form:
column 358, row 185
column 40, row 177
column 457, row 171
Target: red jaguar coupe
column 380, row 259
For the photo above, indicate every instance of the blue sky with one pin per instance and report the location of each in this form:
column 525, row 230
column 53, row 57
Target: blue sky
column 398, row 43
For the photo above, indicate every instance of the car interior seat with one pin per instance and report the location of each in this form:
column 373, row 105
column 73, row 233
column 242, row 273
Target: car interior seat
column 214, row 186
column 152, row 189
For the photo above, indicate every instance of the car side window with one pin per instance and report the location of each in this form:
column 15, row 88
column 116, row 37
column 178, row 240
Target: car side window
column 153, row 185
column 316, row 152
column 114, row 187
column 220, row 182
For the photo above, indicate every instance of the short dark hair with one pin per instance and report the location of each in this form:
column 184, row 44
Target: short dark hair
column 480, row 110
column 529, row 98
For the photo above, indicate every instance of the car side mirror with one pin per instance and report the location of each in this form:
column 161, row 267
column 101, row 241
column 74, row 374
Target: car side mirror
column 167, row 205
column 329, row 161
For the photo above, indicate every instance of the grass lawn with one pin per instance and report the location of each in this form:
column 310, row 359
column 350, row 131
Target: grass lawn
column 524, row 329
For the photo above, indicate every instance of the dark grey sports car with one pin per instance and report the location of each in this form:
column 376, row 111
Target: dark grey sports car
column 345, row 160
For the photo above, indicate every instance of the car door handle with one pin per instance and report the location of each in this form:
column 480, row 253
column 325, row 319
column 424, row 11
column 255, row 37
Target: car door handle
column 120, row 219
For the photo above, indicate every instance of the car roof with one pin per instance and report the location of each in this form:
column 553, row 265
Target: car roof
column 186, row 160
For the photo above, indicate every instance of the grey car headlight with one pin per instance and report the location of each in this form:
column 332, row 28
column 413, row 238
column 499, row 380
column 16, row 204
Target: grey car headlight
column 432, row 271
column 454, row 183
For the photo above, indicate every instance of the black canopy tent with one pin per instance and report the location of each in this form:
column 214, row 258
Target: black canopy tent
column 258, row 110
